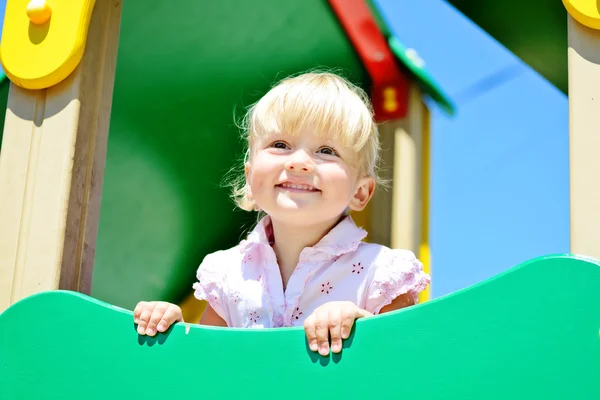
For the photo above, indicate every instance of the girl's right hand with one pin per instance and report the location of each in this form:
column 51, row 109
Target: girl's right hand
column 155, row 316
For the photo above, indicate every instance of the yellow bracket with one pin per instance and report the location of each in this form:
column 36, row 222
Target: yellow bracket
column 584, row 11
column 43, row 40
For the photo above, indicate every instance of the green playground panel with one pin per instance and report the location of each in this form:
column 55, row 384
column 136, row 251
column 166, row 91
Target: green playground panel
column 529, row 333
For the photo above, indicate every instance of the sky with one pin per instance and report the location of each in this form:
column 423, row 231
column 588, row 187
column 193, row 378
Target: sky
column 500, row 167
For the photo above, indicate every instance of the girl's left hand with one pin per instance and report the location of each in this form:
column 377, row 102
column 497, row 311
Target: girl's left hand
column 334, row 318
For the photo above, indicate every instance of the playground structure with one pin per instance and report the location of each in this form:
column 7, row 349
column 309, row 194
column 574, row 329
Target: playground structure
column 50, row 175
column 396, row 94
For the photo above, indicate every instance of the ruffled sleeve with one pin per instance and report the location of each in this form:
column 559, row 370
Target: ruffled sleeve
column 210, row 285
column 396, row 272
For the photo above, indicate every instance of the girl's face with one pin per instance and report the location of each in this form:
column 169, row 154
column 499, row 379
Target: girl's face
column 305, row 179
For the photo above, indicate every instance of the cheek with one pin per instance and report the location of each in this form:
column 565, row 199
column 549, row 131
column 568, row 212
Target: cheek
column 339, row 178
column 262, row 168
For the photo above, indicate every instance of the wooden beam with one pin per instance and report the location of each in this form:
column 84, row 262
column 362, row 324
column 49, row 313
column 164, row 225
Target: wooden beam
column 406, row 188
column 51, row 171
column 394, row 213
column 399, row 216
column 584, row 137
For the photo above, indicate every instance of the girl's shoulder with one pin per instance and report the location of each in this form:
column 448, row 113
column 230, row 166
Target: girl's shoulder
column 380, row 255
column 220, row 261
column 212, row 274
column 391, row 273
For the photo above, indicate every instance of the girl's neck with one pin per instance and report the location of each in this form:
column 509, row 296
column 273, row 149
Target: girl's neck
column 291, row 239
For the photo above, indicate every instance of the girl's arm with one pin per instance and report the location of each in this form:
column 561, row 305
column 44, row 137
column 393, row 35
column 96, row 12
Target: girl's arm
column 210, row 317
column 402, row 301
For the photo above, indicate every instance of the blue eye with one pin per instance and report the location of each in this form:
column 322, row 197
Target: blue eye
column 328, row 150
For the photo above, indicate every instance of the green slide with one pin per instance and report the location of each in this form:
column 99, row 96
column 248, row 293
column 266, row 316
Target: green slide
column 529, row 333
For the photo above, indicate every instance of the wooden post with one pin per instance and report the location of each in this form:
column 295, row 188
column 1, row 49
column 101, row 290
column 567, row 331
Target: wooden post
column 399, row 216
column 584, row 137
column 394, row 213
column 51, row 171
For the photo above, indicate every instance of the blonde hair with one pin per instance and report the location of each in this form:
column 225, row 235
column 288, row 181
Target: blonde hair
column 322, row 101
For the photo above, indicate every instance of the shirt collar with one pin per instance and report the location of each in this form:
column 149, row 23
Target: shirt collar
column 343, row 238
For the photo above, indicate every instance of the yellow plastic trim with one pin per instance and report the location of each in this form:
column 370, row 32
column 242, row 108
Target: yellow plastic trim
column 192, row 308
column 390, row 104
column 424, row 251
column 584, row 11
column 40, row 55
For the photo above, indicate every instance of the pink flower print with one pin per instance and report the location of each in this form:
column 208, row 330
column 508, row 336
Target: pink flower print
column 235, row 297
column 253, row 316
column 297, row 313
column 357, row 268
column 326, row 288
column 247, row 258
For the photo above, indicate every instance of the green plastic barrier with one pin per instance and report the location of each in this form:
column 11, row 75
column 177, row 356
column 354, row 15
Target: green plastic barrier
column 529, row 333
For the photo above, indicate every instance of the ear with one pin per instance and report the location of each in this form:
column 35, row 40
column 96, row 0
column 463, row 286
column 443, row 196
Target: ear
column 362, row 195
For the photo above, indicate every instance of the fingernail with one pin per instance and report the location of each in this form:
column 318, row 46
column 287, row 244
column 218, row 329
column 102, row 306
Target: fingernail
column 140, row 330
column 324, row 350
column 335, row 348
column 345, row 334
column 314, row 347
column 161, row 326
column 137, row 321
column 150, row 331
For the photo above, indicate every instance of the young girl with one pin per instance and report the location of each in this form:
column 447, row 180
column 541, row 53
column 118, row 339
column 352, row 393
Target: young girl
column 312, row 154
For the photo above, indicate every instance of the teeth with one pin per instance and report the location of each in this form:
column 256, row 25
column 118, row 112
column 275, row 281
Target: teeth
column 300, row 187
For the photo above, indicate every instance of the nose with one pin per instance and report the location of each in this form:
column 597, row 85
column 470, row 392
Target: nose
column 300, row 161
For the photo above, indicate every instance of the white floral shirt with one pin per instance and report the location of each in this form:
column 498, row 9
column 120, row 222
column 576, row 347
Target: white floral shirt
column 244, row 285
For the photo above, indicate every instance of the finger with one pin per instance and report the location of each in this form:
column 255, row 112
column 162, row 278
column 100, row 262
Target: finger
column 335, row 329
column 362, row 314
column 322, row 331
column 157, row 315
column 347, row 322
column 170, row 316
column 145, row 317
column 137, row 311
column 311, row 333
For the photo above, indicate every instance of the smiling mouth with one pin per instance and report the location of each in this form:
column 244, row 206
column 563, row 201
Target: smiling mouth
column 297, row 188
